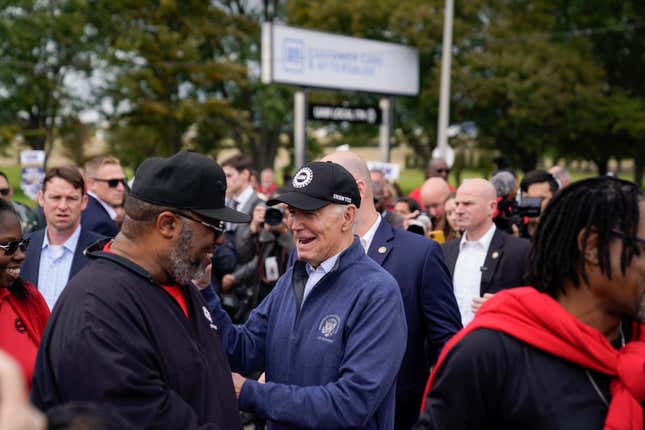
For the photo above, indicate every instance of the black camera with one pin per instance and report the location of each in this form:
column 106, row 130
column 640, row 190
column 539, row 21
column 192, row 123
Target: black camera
column 511, row 213
column 420, row 225
column 273, row 216
column 529, row 207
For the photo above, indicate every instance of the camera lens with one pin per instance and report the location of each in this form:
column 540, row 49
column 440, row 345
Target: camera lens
column 273, row 216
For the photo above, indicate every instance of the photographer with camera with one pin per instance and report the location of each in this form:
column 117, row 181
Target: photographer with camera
column 538, row 188
column 273, row 244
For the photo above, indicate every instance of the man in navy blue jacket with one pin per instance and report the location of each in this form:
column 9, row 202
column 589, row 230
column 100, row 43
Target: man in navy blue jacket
column 417, row 264
column 331, row 334
column 55, row 253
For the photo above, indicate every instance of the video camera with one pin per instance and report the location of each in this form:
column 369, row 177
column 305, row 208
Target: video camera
column 420, row 225
column 512, row 213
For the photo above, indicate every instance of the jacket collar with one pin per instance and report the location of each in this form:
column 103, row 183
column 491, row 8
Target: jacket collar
column 96, row 252
column 381, row 246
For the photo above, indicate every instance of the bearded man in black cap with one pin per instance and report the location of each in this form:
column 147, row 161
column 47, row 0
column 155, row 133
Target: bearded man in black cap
column 129, row 332
column 332, row 333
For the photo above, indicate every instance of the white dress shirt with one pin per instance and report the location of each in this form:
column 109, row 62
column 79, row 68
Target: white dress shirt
column 368, row 237
column 244, row 197
column 315, row 275
column 55, row 265
column 468, row 272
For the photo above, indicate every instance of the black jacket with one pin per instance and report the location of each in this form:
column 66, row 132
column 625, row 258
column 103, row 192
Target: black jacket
column 95, row 218
column 506, row 262
column 118, row 339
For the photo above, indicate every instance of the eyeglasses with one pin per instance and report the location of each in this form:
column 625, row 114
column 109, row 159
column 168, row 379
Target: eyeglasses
column 4, row 191
column 443, row 170
column 637, row 239
column 11, row 247
column 217, row 229
column 114, row 182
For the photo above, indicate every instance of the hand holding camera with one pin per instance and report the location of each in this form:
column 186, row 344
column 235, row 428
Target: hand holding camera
column 257, row 220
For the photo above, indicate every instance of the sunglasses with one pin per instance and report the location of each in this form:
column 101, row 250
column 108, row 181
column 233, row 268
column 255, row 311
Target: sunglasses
column 443, row 170
column 4, row 191
column 217, row 229
column 113, row 183
column 11, row 247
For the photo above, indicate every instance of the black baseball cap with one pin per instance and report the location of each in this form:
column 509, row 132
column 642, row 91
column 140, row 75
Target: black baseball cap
column 187, row 180
column 318, row 184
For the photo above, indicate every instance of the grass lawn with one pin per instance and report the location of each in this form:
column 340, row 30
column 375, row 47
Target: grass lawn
column 14, row 175
column 412, row 178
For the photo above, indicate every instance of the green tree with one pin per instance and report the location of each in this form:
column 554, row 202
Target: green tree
column 167, row 69
column 43, row 44
column 616, row 31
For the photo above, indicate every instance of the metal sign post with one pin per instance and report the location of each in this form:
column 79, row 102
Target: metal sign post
column 444, row 91
column 384, row 129
column 300, row 127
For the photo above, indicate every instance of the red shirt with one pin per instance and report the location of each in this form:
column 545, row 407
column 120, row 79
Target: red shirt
column 15, row 338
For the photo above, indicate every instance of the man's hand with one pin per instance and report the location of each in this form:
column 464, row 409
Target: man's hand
column 258, row 218
column 407, row 218
column 204, row 280
column 228, row 282
column 479, row 301
column 238, row 383
column 16, row 413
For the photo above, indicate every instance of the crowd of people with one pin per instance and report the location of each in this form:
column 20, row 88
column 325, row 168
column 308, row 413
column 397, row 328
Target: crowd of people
column 203, row 296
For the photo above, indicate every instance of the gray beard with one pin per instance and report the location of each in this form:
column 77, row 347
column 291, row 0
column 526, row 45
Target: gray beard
column 182, row 268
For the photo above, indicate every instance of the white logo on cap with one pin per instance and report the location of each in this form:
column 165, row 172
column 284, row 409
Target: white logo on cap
column 303, row 178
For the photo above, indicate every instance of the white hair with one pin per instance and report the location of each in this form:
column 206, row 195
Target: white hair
column 341, row 209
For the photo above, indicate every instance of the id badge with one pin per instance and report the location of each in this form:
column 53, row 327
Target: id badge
column 271, row 269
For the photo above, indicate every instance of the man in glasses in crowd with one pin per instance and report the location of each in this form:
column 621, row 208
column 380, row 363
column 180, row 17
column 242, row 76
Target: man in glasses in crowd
column 437, row 168
column 129, row 331
column 106, row 186
column 56, row 252
column 29, row 218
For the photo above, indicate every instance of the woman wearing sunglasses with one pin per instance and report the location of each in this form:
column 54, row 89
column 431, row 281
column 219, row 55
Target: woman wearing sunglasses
column 23, row 311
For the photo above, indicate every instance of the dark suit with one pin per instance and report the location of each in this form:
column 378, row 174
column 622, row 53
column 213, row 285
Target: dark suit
column 95, row 218
column 31, row 266
column 505, row 265
column 417, row 264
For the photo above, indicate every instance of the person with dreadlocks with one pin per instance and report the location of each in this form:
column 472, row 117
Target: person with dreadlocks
column 567, row 352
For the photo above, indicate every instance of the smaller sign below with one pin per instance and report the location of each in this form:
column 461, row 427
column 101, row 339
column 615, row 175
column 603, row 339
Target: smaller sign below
column 33, row 172
column 391, row 171
column 360, row 114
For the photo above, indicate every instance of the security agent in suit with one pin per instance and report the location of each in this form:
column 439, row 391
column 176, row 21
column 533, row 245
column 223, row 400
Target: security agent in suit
column 417, row 264
column 55, row 253
column 484, row 260
column 239, row 287
column 106, row 187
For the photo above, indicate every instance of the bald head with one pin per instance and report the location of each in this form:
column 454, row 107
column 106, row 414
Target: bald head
column 480, row 187
column 434, row 189
column 434, row 193
column 356, row 166
column 475, row 205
